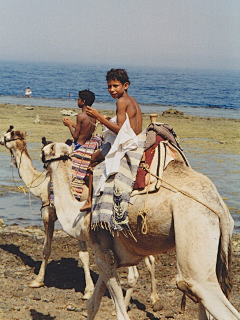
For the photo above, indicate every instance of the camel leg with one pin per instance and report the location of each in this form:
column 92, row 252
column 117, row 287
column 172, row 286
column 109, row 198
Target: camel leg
column 203, row 314
column 84, row 257
column 150, row 263
column 49, row 218
column 107, row 266
column 133, row 276
column 196, row 262
column 95, row 300
column 108, row 278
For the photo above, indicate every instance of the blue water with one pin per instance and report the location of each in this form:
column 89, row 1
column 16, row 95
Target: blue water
column 150, row 86
column 195, row 92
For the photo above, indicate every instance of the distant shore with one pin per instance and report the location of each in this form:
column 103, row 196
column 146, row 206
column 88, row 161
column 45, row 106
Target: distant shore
column 219, row 134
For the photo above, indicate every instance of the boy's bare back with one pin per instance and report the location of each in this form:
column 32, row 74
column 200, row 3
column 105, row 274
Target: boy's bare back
column 85, row 127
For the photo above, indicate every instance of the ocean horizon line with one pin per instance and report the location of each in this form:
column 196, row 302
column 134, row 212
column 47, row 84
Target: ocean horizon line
column 194, row 105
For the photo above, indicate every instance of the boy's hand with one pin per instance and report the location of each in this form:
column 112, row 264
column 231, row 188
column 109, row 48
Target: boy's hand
column 93, row 112
column 68, row 122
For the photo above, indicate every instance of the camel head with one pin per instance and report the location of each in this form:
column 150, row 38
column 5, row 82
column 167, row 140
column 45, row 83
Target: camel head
column 3, row 134
column 13, row 139
column 55, row 152
column 45, row 142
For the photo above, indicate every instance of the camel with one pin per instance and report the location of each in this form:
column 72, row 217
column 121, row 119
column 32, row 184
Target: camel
column 15, row 141
column 38, row 185
column 186, row 213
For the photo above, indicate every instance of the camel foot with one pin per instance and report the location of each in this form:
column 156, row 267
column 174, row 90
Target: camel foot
column 36, row 284
column 87, row 295
column 86, row 207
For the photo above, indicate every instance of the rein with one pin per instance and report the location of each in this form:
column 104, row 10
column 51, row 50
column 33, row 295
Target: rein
column 13, row 139
column 146, row 168
column 63, row 158
column 29, row 185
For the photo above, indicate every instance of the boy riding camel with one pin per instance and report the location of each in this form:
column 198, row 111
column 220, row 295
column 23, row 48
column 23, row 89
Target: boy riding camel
column 83, row 129
column 127, row 108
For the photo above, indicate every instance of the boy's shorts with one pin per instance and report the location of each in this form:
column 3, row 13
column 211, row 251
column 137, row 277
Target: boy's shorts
column 104, row 149
column 76, row 145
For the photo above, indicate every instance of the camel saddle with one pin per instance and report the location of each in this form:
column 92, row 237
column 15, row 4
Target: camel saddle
column 161, row 142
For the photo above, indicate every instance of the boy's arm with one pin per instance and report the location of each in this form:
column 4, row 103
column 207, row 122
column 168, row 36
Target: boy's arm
column 68, row 122
column 121, row 117
column 73, row 128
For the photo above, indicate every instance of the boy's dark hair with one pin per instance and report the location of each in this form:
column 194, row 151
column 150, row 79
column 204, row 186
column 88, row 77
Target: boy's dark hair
column 118, row 74
column 87, row 96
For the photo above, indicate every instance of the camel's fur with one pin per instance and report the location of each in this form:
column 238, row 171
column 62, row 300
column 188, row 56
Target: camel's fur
column 188, row 215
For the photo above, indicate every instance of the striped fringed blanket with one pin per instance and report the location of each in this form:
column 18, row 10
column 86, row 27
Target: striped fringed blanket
column 110, row 208
column 80, row 162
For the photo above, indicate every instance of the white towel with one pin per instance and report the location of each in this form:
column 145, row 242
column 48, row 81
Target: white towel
column 126, row 140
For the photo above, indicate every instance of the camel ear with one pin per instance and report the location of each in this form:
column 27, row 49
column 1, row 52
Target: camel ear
column 53, row 149
column 10, row 129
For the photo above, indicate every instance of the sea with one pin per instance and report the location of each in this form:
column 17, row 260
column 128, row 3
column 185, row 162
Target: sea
column 206, row 93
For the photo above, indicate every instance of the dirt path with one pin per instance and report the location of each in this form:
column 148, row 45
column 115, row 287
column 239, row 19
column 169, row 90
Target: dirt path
column 60, row 299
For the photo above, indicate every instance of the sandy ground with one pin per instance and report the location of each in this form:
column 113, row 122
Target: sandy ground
column 21, row 248
column 60, row 298
column 218, row 134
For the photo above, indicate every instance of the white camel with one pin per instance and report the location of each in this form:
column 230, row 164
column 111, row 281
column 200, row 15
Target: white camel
column 38, row 184
column 187, row 213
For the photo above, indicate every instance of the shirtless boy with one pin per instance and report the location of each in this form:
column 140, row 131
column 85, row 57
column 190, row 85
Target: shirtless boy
column 118, row 83
column 85, row 125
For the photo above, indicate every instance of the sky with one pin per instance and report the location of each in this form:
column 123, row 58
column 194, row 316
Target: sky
column 164, row 33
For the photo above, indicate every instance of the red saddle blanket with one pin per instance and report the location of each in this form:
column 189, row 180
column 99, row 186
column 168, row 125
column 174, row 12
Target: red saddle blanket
column 149, row 154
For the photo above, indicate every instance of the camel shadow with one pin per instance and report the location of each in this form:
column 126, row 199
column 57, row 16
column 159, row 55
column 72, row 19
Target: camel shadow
column 141, row 306
column 62, row 274
column 39, row 316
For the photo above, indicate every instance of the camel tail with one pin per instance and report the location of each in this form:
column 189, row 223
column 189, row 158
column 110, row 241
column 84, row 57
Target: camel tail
column 223, row 268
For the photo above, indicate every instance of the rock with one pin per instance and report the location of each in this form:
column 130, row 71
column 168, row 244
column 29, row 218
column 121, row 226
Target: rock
column 68, row 113
column 70, row 308
column 157, row 306
column 172, row 111
column 36, row 296
column 37, row 119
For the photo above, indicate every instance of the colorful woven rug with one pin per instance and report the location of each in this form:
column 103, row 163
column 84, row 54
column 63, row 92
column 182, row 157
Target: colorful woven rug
column 110, row 208
column 81, row 159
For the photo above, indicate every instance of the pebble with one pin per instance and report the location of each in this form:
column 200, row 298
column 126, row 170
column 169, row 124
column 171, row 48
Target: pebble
column 22, row 286
column 70, row 308
column 36, row 296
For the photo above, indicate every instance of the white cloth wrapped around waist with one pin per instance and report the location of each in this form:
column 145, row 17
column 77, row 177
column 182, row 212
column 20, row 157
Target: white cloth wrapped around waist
column 126, row 140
